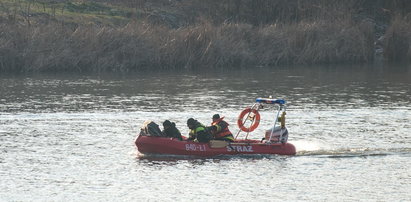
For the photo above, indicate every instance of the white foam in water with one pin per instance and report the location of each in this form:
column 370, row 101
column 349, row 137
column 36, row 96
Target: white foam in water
column 308, row 146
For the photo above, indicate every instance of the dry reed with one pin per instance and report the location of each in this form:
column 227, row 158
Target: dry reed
column 223, row 34
column 143, row 46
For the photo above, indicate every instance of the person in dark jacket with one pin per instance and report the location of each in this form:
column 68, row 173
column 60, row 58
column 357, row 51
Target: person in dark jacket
column 198, row 132
column 219, row 129
column 170, row 130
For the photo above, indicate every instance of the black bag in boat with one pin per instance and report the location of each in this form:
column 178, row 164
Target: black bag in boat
column 151, row 129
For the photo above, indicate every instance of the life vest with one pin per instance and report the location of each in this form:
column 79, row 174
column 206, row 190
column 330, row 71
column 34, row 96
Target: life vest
column 197, row 129
column 204, row 136
column 194, row 132
column 222, row 132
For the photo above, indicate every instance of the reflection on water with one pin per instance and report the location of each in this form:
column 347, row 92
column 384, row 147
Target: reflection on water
column 73, row 136
column 304, row 89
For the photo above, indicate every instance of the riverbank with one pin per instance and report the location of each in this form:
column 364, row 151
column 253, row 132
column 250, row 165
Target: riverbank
column 84, row 36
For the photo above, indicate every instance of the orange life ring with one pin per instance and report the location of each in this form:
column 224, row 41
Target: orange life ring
column 256, row 120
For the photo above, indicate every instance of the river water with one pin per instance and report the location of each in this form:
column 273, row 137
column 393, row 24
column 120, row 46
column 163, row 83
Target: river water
column 71, row 137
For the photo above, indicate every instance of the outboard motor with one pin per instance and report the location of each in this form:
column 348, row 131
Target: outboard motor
column 277, row 135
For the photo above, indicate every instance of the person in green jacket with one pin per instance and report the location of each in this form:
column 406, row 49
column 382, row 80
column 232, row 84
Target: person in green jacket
column 198, row 132
column 170, row 130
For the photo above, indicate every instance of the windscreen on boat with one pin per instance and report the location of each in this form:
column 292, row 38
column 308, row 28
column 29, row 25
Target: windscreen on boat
column 270, row 101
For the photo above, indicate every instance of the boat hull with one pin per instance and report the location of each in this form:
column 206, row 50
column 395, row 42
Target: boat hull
column 173, row 146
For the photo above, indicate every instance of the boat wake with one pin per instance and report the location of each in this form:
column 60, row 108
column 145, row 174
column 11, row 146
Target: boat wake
column 307, row 148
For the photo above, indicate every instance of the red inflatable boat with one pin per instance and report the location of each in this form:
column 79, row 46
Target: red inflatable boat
column 274, row 142
column 162, row 145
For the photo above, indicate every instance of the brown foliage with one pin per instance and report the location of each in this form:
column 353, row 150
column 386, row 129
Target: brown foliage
column 216, row 34
column 143, row 46
column 397, row 41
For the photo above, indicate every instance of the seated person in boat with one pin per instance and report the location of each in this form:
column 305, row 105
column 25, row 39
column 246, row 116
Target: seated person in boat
column 219, row 129
column 170, row 130
column 198, row 132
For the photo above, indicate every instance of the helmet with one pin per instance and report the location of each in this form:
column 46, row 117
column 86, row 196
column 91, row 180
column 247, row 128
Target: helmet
column 191, row 121
column 167, row 123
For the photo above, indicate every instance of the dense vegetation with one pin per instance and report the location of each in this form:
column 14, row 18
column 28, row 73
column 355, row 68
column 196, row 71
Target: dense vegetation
column 123, row 35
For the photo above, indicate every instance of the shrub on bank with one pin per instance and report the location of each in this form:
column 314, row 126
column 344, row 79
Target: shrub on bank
column 397, row 41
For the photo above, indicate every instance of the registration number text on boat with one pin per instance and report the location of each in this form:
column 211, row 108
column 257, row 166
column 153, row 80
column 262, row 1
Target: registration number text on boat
column 194, row 147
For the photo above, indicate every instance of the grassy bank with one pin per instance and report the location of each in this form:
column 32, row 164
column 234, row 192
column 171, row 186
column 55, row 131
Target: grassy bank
column 134, row 35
